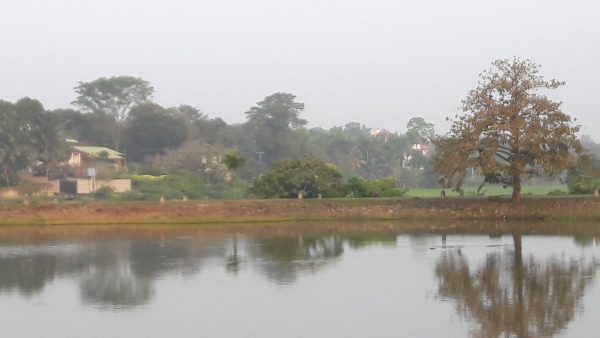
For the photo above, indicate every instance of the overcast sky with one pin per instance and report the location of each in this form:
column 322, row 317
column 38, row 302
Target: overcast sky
column 374, row 62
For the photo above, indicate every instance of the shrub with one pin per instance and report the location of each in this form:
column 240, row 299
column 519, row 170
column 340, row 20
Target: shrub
column 103, row 193
column 171, row 187
column 557, row 192
column 287, row 178
column 584, row 176
column 583, row 185
column 358, row 187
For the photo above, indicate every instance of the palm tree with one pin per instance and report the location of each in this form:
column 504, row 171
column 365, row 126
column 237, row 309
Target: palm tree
column 233, row 162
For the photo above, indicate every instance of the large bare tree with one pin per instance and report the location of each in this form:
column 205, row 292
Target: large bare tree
column 509, row 130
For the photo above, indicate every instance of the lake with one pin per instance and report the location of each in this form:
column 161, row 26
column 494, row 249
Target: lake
column 280, row 283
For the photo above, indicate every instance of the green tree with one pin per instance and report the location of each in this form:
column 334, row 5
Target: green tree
column 93, row 129
column 192, row 157
column 14, row 142
column 233, row 162
column 190, row 114
column 151, row 130
column 272, row 121
column 287, row 178
column 419, row 130
column 51, row 149
column 114, row 96
column 584, row 176
column 192, row 117
column 27, row 133
column 509, row 130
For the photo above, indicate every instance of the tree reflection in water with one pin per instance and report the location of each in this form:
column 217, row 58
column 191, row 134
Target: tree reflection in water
column 508, row 296
column 120, row 272
column 234, row 260
column 27, row 274
column 282, row 259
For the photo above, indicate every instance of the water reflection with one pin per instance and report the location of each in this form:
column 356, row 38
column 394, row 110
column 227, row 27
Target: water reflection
column 282, row 259
column 512, row 296
column 26, row 274
column 504, row 290
column 117, row 272
column 120, row 272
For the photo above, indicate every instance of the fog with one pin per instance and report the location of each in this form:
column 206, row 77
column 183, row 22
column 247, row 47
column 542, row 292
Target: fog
column 373, row 62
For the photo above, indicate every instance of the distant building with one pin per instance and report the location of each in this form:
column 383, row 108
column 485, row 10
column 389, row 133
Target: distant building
column 93, row 167
column 83, row 158
column 380, row 133
column 424, row 148
column 90, row 164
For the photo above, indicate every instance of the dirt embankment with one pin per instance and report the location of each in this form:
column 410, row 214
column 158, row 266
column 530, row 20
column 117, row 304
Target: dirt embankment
column 582, row 209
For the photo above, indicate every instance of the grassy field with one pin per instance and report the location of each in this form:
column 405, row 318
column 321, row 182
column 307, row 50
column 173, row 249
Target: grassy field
column 491, row 190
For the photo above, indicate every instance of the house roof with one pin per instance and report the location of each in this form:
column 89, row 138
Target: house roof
column 96, row 151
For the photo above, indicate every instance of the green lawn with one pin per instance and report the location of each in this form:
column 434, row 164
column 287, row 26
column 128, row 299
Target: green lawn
column 490, row 190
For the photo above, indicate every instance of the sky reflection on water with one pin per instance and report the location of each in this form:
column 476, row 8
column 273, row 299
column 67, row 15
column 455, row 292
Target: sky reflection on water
column 300, row 285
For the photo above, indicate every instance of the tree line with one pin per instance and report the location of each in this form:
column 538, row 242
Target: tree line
column 509, row 132
column 119, row 112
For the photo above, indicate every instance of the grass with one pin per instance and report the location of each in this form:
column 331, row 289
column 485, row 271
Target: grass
column 489, row 190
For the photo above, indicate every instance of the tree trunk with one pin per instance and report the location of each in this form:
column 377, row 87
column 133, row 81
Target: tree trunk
column 516, row 194
column 6, row 175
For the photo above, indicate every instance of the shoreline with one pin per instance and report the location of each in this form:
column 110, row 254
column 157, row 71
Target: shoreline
column 557, row 209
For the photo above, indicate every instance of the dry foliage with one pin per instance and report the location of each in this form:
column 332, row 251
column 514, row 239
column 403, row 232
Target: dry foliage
column 509, row 130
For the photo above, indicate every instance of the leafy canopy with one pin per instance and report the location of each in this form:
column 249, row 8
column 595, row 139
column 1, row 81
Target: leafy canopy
column 272, row 120
column 584, row 176
column 113, row 96
column 151, row 130
column 233, row 161
column 287, row 178
column 419, row 130
column 27, row 133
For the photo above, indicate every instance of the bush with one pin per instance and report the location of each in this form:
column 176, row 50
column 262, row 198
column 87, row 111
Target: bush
column 103, row 193
column 287, row 178
column 584, row 176
column 174, row 187
column 557, row 192
column 358, row 187
column 583, row 185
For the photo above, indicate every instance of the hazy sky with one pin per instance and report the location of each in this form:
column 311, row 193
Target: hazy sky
column 373, row 62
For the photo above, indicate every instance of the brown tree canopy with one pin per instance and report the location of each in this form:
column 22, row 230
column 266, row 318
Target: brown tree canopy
column 509, row 130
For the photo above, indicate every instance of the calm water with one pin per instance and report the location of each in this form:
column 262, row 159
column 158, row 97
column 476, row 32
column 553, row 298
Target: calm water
column 299, row 286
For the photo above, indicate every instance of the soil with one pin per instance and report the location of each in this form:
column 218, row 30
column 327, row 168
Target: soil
column 255, row 211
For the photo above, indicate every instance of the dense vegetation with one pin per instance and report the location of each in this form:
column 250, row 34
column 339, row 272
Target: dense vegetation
column 194, row 155
column 182, row 152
